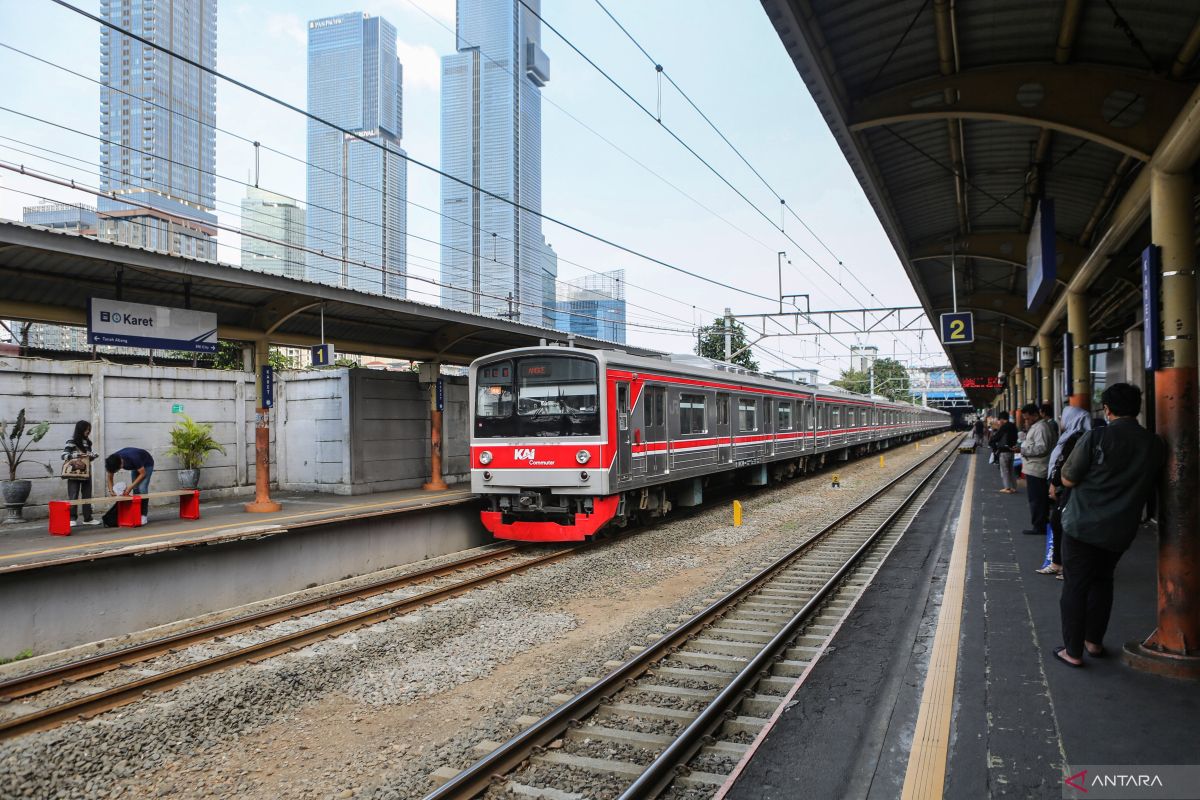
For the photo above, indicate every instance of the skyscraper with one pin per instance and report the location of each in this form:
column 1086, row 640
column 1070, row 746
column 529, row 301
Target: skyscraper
column 268, row 216
column 157, row 118
column 594, row 305
column 357, row 190
column 492, row 139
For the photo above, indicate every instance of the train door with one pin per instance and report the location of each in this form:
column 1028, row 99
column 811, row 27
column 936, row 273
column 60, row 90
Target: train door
column 768, row 426
column 721, row 430
column 656, row 430
column 624, row 450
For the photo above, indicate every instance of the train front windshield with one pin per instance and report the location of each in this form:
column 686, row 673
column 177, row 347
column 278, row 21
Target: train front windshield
column 538, row 396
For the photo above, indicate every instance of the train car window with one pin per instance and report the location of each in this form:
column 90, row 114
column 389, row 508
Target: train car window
column 657, row 412
column 747, row 414
column 837, row 419
column 538, row 396
column 692, row 414
column 783, row 416
column 722, row 410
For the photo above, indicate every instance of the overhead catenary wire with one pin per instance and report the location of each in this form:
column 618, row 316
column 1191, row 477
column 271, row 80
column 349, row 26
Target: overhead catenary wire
column 368, row 187
column 71, row 184
column 417, row 162
column 661, row 70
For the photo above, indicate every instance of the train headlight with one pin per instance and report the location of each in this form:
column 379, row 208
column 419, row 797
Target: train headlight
column 583, row 456
column 485, row 457
column 487, row 476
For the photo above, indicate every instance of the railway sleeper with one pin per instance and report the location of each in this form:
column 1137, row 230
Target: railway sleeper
column 743, row 724
column 731, row 664
column 745, row 650
column 622, row 768
column 541, row 792
column 685, row 692
column 640, row 711
column 707, row 677
column 759, row 705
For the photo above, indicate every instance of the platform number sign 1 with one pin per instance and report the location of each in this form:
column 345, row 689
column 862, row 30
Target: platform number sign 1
column 958, row 328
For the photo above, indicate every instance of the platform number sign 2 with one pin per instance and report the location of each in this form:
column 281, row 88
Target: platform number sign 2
column 958, row 328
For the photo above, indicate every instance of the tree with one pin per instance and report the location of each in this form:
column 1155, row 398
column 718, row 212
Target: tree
column 891, row 380
column 711, row 344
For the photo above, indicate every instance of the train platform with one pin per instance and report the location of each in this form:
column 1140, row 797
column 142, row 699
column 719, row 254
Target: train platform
column 943, row 681
column 29, row 546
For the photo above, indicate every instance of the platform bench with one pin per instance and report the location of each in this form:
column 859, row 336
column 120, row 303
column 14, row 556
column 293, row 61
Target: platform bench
column 129, row 514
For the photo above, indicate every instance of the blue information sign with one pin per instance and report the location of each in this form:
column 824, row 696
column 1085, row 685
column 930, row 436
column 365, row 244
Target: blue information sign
column 441, row 395
column 958, row 328
column 322, row 355
column 1151, row 277
column 267, row 400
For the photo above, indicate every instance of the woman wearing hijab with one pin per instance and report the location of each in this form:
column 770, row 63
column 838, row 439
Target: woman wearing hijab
column 1075, row 422
column 78, row 457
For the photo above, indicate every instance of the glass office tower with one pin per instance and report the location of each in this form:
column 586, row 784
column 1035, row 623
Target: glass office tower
column 492, row 139
column 357, row 184
column 157, row 118
column 272, row 234
column 594, row 305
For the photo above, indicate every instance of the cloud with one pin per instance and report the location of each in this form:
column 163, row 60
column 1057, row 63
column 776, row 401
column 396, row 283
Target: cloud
column 289, row 25
column 422, row 66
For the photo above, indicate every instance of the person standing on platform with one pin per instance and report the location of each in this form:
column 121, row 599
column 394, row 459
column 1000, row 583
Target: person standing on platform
column 1111, row 473
column 1048, row 415
column 141, row 468
column 1075, row 422
column 1003, row 441
column 1035, row 455
column 77, row 469
column 979, row 440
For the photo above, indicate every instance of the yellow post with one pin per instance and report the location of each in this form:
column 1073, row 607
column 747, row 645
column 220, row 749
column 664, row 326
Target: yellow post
column 881, row 461
column 737, row 514
column 837, row 484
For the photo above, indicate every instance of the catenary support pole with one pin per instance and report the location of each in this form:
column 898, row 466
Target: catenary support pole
column 1174, row 646
column 435, row 483
column 263, row 504
column 1081, row 367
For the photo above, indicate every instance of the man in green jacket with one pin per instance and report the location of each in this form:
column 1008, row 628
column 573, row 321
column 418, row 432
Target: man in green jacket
column 1112, row 472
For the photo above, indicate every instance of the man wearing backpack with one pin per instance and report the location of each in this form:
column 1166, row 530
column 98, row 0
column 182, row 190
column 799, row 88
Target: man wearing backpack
column 1111, row 472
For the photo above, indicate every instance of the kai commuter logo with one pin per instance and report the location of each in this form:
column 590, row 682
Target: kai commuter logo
column 524, row 454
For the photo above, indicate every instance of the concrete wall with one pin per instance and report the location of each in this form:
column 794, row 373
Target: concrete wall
column 341, row 431
column 131, row 594
column 130, row 405
column 362, row 431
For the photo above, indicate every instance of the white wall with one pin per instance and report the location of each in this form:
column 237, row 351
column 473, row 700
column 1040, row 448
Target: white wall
column 130, row 406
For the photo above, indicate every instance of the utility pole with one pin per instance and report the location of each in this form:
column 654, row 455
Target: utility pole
column 779, row 262
column 728, row 333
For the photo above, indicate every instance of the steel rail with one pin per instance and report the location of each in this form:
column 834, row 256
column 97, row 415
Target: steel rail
column 49, row 678
column 105, row 700
column 509, row 756
column 663, row 769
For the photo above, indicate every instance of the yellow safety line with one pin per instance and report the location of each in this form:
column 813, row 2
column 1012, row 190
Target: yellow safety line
column 926, row 774
column 239, row 523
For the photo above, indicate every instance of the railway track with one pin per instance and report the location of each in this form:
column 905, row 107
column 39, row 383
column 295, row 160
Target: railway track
column 479, row 568
column 678, row 716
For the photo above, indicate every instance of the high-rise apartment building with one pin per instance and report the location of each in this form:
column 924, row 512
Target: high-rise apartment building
column 594, row 305
column 492, row 141
column 272, row 234
column 157, row 126
column 357, row 184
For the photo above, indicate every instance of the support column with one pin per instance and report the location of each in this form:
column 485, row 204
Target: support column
column 1081, row 367
column 435, row 483
column 263, row 504
column 1018, row 382
column 1174, row 646
column 1046, row 362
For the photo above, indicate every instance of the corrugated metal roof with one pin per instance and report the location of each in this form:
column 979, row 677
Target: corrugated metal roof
column 851, row 50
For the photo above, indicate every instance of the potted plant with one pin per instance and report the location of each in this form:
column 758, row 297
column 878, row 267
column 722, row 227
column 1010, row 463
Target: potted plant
column 192, row 442
column 16, row 492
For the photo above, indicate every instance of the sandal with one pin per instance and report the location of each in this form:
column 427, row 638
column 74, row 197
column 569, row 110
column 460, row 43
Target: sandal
column 1101, row 653
column 1060, row 577
column 1048, row 570
column 1058, row 656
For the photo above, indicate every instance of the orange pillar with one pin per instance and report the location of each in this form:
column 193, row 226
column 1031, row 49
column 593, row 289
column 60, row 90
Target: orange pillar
column 435, row 483
column 1174, row 646
column 263, row 504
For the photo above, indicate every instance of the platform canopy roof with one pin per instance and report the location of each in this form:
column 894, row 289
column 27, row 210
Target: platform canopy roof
column 49, row 276
column 957, row 117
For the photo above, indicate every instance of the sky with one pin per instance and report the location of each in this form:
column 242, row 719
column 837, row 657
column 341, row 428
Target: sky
column 607, row 167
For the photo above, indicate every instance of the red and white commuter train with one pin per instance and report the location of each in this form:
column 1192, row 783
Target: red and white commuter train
column 565, row 441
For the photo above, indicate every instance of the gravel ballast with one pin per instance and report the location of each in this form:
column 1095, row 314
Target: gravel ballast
column 372, row 713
